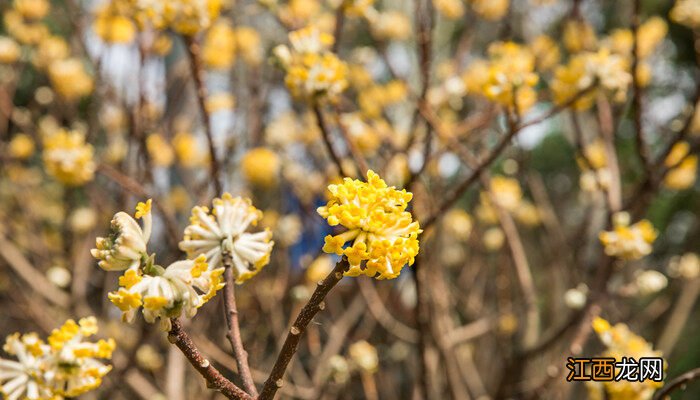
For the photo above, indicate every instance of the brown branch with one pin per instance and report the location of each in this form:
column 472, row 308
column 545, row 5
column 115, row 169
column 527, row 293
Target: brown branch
column 325, row 134
column 214, row 378
column 315, row 304
column 677, row 383
column 234, row 329
column 497, row 150
column 642, row 148
column 194, row 52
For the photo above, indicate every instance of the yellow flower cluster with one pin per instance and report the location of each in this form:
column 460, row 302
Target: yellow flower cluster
column 607, row 71
column 222, row 232
column 113, row 22
column 621, row 342
column 389, row 25
column 260, row 166
column 9, row 50
column 166, row 293
column 683, row 167
column 686, row 12
column 70, row 79
column 595, row 174
column 492, row 10
column 628, row 242
column 126, row 245
column 312, row 70
column 383, row 234
column 507, row 78
column 68, row 158
column 23, row 20
column 65, row 366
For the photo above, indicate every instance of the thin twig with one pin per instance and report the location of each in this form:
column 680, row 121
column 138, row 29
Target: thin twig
column 194, row 52
column 677, row 383
column 234, row 329
column 325, row 134
column 214, row 378
column 289, row 348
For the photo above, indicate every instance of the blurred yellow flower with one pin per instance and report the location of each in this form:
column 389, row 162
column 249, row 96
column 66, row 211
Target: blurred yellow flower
column 189, row 17
column 389, row 25
column 628, row 242
column 364, row 355
column 219, row 48
column 68, row 158
column 621, row 342
column 579, row 35
column 21, row 146
column 159, row 150
column 450, row 9
column 492, row 10
column 248, row 45
column 189, row 151
column 9, row 50
column 686, row 12
column 32, row 9
column 319, row 268
column 114, row 28
column 506, row 192
column 261, row 166
column 70, row 79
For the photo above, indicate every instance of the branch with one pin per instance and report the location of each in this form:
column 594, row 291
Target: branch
column 681, row 381
column 315, row 304
column 194, row 52
column 234, row 329
column 325, row 134
column 215, row 380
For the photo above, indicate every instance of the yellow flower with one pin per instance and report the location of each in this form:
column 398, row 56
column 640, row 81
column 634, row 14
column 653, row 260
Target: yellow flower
column 220, row 102
column 219, row 49
column 67, row 367
column 248, row 45
column 70, row 79
column 114, row 28
column 364, row 355
column 546, row 52
column 357, row 8
column 126, row 245
column 628, row 242
column 32, row 9
column 450, row 9
column 68, row 158
column 650, row 34
column 389, row 25
column 510, row 77
column 224, row 230
column 50, row 50
column 9, row 50
column 312, row 70
column 686, row 12
column 21, row 146
column 189, row 17
column 319, row 268
column 578, row 36
column 684, row 175
column 492, row 10
column 458, row 224
column 188, row 150
column 159, row 150
column 382, row 233
column 620, row 342
column 506, row 192
column 260, row 166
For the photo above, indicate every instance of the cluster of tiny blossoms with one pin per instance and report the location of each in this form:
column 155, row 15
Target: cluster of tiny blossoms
column 621, row 342
column 68, row 158
column 221, row 233
column 628, row 242
column 382, row 233
column 312, row 70
column 164, row 293
column 65, row 366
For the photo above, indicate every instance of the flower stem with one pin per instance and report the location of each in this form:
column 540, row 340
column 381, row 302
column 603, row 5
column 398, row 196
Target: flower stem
column 234, row 330
column 315, row 304
column 214, row 378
